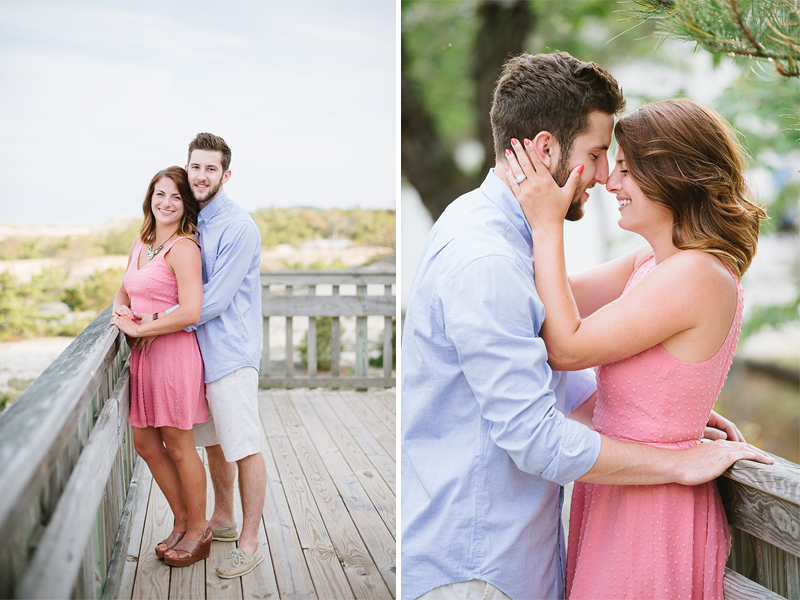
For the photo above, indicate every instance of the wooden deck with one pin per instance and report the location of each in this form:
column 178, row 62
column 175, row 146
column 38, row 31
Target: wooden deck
column 328, row 526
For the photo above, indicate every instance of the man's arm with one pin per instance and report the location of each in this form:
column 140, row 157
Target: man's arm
column 490, row 314
column 233, row 262
column 627, row 463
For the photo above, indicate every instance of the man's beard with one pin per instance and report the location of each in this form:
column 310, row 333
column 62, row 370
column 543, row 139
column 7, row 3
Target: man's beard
column 575, row 210
column 210, row 195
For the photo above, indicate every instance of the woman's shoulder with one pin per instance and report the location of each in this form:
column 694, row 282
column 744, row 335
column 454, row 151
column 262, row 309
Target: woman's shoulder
column 702, row 270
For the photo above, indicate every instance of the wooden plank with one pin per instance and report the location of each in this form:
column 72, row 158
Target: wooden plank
column 360, row 305
column 37, row 428
column 739, row 587
column 340, row 419
column 354, row 401
column 311, row 345
column 742, row 558
column 71, row 527
column 384, row 415
column 382, row 496
column 343, row 382
column 122, row 572
column 771, row 567
column 289, row 349
column 329, row 277
column 288, row 560
column 387, row 347
column 792, row 576
column 362, row 339
column 362, row 573
column 367, row 516
column 152, row 577
column 389, row 399
column 266, row 365
column 770, row 518
column 781, row 479
column 321, row 558
column 311, row 339
column 187, row 582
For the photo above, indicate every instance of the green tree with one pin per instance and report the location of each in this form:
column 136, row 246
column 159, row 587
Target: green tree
column 762, row 29
column 451, row 56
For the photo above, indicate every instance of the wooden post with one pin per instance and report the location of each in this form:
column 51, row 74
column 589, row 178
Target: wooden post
column 289, row 342
column 387, row 338
column 361, row 338
column 265, row 358
column 311, row 339
column 335, row 337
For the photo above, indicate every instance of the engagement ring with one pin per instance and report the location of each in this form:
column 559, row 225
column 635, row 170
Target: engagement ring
column 521, row 178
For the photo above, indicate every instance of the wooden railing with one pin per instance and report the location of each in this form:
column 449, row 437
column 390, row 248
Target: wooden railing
column 763, row 508
column 66, row 463
column 280, row 298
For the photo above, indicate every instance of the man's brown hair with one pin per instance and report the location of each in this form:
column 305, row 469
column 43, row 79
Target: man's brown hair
column 550, row 92
column 214, row 143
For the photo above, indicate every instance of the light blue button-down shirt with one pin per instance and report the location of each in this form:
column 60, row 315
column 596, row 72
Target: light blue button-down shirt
column 485, row 444
column 229, row 329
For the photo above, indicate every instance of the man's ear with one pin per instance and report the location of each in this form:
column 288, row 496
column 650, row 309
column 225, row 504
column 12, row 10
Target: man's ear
column 547, row 148
column 226, row 176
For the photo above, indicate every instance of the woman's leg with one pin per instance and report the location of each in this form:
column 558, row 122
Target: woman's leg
column 180, row 447
column 149, row 443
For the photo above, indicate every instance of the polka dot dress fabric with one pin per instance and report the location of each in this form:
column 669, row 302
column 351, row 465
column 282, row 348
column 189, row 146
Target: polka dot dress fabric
column 657, row 541
column 167, row 383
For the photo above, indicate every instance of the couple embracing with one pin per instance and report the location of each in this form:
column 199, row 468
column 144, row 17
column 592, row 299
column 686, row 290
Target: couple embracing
column 497, row 336
column 190, row 304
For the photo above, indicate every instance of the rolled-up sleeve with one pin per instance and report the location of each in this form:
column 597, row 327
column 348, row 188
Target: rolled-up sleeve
column 493, row 315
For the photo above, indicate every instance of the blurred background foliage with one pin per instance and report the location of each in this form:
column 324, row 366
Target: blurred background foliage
column 53, row 303
column 450, row 50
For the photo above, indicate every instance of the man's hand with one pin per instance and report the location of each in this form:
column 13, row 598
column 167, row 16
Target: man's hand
column 143, row 343
column 707, row 461
column 720, row 428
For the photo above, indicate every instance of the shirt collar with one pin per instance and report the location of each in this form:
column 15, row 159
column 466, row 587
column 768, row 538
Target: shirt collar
column 212, row 208
column 500, row 194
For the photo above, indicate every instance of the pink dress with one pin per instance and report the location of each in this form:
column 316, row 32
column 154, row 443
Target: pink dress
column 655, row 541
column 167, row 383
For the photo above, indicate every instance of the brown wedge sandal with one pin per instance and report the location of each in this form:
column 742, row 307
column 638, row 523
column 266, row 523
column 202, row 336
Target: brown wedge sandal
column 169, row 543
column 190, row 551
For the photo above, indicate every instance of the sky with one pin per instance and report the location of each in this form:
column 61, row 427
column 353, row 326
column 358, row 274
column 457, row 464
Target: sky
column 98, row 96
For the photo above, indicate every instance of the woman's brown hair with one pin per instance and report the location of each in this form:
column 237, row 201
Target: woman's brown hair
column 685, row 157
column 188, row 224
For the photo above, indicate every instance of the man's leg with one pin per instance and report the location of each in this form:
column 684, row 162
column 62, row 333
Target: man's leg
column 253, row 489
column 223, row 474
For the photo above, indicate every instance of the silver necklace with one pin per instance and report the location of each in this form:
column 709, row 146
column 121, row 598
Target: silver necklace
column 152, row 253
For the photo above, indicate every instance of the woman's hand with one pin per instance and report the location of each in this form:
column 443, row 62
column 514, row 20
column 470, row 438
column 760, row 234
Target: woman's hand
column 720, row 428
column 544, row 203
column 124, row 311
column 126, row 326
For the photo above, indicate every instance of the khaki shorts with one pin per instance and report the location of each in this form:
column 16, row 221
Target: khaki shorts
column 465, row 590
column 234, row 423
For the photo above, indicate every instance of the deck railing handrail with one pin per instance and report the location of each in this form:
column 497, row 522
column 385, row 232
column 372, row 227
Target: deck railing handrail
column 361, row 305
column 66, row 460
column 762, row 503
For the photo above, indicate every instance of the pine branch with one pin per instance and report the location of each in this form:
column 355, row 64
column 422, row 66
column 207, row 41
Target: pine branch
column 762, row 29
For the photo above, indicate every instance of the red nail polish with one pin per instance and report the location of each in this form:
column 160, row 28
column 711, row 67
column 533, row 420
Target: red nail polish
column 508, row 152
column 527, row 142
column 508, row 169
column 580, row 169
column 514, row 141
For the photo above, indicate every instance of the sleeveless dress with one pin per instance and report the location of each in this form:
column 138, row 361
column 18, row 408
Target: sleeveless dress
column 167, row 383
column 656, row 541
